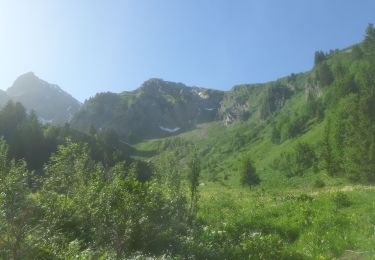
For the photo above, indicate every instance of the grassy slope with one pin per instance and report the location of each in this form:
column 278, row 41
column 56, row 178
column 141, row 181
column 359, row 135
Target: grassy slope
column 335, row 221
column 311, row 221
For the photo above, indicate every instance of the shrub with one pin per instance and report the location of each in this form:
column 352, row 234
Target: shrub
column 248, row 173
column 319, row 183
column 342, row 200
column 298, row 161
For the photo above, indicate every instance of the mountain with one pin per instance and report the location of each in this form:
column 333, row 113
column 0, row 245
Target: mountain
column 50, row 103
column 158, row 108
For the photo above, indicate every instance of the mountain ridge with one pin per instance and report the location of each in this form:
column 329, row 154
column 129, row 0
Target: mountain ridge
column 155, row 109
column 159, row 108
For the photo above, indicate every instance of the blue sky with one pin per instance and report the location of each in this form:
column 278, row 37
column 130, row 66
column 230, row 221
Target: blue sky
column 89, row 46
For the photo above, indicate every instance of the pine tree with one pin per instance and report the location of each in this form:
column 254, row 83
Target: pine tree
column 319, row 57
column 327, row 151
column 248, row 173
column 193, row 176
column 369, row 42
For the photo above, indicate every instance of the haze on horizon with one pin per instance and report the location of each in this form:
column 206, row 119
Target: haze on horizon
column 93, row 46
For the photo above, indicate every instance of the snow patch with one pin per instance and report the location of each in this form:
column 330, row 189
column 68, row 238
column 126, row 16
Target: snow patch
column 201, row 94
column 45, row 121
column 169, row 130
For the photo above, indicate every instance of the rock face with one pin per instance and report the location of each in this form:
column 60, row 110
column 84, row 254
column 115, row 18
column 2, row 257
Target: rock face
column 259, row 101
column 49, row 101
column 241, row 102
column 158, row 108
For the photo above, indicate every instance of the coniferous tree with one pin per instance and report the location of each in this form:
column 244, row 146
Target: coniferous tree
column 194, row 169
column 324, row 74
column 304, row 158
column 369, row 42
column 327, row 150
column 319, row 57
column 248, row 173
column 357, row 52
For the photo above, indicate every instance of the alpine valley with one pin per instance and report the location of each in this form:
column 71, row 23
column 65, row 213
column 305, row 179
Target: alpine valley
column 277, row 170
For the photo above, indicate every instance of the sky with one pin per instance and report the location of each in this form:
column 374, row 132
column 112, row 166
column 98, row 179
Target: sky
column 91, row 46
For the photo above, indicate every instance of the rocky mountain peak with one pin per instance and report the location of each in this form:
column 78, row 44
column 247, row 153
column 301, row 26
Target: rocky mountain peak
column 49, row 101
column 157, row 108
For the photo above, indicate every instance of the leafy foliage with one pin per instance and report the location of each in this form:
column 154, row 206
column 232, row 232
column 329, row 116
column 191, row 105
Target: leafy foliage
column 16, row 207
column 82, row 207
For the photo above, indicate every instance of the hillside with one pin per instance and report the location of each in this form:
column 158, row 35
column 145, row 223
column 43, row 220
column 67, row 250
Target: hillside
column 50, row 103
column 158, row 108
column 310, row 139
column 269, row 121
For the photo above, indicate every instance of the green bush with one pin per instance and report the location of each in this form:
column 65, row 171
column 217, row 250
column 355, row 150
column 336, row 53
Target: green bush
column 297, row 162
column 342, row 200
column 319, row 183
column 248, row 173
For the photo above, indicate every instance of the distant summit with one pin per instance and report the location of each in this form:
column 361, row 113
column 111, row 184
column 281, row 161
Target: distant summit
column 51, row 103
